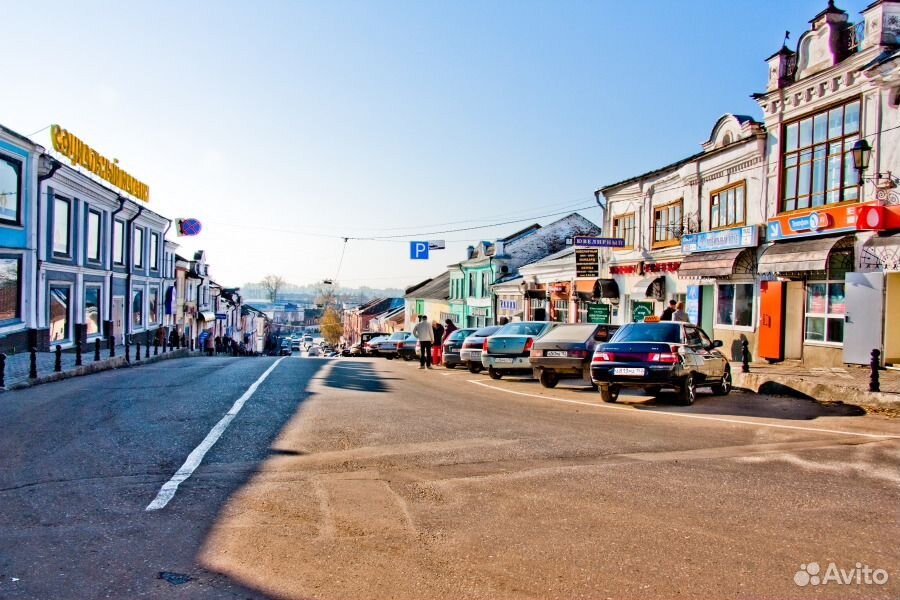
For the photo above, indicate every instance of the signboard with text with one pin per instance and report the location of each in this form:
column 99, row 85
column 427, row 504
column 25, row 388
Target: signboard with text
column 587, row 263
column 598, row 242
column 598, row 313
column 641, row 310
column 721, row 239
column 821, row 221
column 418, row 250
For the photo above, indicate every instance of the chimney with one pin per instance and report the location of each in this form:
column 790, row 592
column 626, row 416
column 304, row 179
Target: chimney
column 499, row 247
column 470, row 252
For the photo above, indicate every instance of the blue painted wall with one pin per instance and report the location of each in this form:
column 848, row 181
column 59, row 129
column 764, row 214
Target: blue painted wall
column 17, row 236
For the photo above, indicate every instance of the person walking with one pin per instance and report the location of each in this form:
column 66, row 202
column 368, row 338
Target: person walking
column 449, row 328
column 425, row 335
column 437, row 350
column 667, row 313
column 210, row 345
column 679, row 314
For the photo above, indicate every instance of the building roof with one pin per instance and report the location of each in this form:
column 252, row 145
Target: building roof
column 382, row 305
column 437, row 288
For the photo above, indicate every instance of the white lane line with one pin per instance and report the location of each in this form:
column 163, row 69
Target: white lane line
column 688, row 416
column 167, row 491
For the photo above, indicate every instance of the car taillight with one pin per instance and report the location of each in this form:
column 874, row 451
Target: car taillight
column 400, row 346
column 529, row 344
column 577, row 353
column 664, row 357
column 484, row 346
column 603, row 357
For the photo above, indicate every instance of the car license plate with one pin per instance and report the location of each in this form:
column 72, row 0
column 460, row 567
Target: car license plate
column 503, row 360
column 556, row 353
column 627, row 371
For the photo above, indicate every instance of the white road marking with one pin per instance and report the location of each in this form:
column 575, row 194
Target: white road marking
column 687, row 416
column 167, row 491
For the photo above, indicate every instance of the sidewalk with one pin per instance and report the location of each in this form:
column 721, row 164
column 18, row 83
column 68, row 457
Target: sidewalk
column 18, row 365
column 849, row 384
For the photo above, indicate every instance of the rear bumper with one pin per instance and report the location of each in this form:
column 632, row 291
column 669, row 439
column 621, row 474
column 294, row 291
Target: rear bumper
column 506, row 363
column 470, row 356
column 655, row 375
column 573, row 366
column 452, row 358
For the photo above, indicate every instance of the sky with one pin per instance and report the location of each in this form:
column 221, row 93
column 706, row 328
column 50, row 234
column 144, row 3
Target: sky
column 285, row 127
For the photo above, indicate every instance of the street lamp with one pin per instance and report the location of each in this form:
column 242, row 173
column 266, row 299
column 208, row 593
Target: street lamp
column 861, row 153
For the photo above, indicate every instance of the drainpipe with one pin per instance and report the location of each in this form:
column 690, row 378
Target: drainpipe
column 112, row 262
column 165, row 268
column 55, row 165
column 129, row 236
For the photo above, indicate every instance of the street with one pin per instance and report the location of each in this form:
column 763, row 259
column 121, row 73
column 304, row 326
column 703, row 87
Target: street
column 367, row 478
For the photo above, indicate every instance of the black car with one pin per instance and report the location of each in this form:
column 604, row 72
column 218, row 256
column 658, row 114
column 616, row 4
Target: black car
column 453, row 345
column 566, row 352
column 285, row 348
column 658, row 356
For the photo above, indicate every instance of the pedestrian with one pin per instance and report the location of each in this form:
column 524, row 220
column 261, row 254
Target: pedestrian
column 437, row 350
column 449, row 328
column 425, row 335
column 679, row 314
column 173, row 338
column 210, row 345
column 503, row 321
column 667, row 313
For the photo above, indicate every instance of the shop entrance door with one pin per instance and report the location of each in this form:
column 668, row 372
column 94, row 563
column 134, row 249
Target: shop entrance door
column 794, row 319
column 707, row 308
column 771, row 316
column 891, row 326
column 862, row 321
column 118, row 315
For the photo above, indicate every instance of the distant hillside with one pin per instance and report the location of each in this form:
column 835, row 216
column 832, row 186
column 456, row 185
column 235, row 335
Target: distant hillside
column 308, row 293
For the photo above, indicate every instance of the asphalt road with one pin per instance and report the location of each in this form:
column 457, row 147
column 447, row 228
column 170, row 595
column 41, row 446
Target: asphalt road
column 366, row 478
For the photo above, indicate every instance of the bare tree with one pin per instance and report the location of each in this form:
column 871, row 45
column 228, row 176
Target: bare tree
column 272, row 284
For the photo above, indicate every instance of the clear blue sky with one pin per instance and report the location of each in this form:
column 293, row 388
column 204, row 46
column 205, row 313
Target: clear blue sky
column 272, row 121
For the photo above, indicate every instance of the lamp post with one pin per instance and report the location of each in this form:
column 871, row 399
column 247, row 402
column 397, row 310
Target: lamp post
column 861, row 152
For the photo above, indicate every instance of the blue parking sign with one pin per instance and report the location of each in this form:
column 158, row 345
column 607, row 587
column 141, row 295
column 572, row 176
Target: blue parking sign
column 418, row 250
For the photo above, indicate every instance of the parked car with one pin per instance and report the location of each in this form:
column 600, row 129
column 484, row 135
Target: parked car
column 470, row 353
column 566, row 352
column 372, row 346
column 286, row 348
column 509, row 349
column 356, row 349
column 294, row 343
column 314, row 351
column 366, row 337
column 391, row 348
column 452, row 347
column 658, row 356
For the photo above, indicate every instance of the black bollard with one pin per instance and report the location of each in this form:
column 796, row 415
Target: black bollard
column 57, row 365
column 32, row 372
column 156, row 347
column 96, row 349
column 127, row 352
column 112, row 346
column 745, row 356
column 874, row 384
column 78, row 353
column 137, row 352
column 2, row 370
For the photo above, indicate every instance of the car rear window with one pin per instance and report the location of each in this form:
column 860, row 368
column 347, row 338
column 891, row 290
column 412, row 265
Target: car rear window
column 486, row 331
column 523, row 329
column 649, row 332
column 570, row 333
column 459, row 334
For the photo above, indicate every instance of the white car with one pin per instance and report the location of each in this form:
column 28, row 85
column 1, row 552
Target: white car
column 314, row 351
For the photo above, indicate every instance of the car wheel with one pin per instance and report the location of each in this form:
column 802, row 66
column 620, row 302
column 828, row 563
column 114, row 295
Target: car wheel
column 688, row 392
column 722, row 389
column 494, row 373
column 549, row 379
column 449, row 365
column 474, row 368
column 389, row 357
column 609, row 393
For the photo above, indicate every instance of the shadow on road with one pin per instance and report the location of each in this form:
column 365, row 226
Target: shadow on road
column 356, row 376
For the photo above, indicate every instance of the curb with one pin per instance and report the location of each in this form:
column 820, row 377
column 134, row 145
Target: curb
column 819, row 391
column 95, row 367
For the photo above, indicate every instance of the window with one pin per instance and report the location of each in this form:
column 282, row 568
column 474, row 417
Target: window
column 485, row 284
column 154, row 251
column 10, row 190
column 153, row 306
column 61, row 230
column 817, row 166
column 93, row 236
column 137, row 308
column 471, row 285
column 623, row 228
column 92, row 310
column 119, row 242
column 726, row 207
column 735, row 304
column 138, row 247
column 561, row 311
column 667, row 224
column 59, row 313
column 10, row 269
column 825, row 310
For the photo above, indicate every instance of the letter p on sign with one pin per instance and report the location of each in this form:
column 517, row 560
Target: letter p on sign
column 418, row 250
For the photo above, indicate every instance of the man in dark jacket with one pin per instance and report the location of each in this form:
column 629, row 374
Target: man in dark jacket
column 667, row 314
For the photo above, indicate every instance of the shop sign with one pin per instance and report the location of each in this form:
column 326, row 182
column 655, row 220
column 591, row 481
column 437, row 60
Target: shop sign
column 598, row 313
column 599, row 242
column 722, row 239
column 692, row 304
column 640, row 311
column 558, row 288
column 83, row 155
column 663, row 267
column 479, row 311
column 512, row 305
column 874, row 217
column 624, row 269
column 221, row 317
column 587, row 263
column 833, row 219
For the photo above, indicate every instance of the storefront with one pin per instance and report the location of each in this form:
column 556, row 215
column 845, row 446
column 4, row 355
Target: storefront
column 720, row 270
column 646, row 287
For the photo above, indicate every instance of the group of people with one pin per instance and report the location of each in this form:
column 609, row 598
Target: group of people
column 431, row 338
column 674, row 312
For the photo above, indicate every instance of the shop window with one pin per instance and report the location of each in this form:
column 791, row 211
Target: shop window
column 137, row 309
column 154, row 251
column 93, row 236
column 61, row 230
column 485, row 284
column 817, row 166
column 727, row 207
column 138, row 248
column 59, row 312
column 119, row 242
column 92, row 310
column 623, row 228
column 10, row 191
column 734, row 304
column 561, row 311
column 10, row 273
column 667, row 224
column 153, row 306
column 825, row 310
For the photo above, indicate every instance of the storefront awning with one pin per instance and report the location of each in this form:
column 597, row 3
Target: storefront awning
column 649, row 287
column 709, row 264
column 803, row 255
column 535, row 293
column 607, row 288
column 209, row 317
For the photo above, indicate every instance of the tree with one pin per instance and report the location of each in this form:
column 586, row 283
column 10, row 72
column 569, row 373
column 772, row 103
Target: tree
column 331, row 327
column 272, row 284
